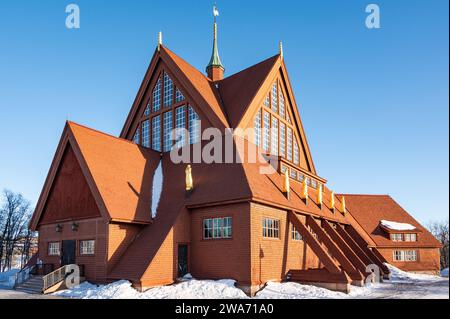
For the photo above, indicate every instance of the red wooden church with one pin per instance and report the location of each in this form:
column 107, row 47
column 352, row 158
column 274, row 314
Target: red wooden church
column 99, row 206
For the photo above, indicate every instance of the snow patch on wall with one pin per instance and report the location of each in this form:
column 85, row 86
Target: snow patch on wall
column 157, row 188
column 396, row 226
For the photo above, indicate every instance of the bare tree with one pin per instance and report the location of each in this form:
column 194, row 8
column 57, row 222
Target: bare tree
column 15, row 214
column 441, row 232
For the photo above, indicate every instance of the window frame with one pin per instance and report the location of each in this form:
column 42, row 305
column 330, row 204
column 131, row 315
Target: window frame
column 80, row 247
column 397, row 237
column 49, row 252
column 295, row 234
column 408, row 237
column 270, row 229
column 220, row 221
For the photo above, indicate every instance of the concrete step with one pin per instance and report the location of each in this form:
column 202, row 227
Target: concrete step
column 29, row 290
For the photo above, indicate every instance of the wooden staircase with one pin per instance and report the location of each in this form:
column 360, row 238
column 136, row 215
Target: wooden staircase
column 34, row 285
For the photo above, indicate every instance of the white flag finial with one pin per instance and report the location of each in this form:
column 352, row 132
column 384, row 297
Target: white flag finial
column 215, row 11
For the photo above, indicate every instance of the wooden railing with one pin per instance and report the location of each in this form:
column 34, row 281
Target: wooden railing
column 59, row 275
column 54, row 277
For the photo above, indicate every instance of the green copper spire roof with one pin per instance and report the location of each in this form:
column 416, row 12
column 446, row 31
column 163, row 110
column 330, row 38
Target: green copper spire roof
column 215, row 59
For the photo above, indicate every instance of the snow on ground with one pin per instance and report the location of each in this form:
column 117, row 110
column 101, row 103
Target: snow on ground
column 189, row 288
column 402, row 286
column 444, row 272
column 396, row 225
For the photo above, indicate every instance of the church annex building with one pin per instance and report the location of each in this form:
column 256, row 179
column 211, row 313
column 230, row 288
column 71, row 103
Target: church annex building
column 99, row 208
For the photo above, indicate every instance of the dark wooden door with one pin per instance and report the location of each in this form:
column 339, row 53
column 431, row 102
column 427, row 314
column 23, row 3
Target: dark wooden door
column 182, row 260
column 68, row 252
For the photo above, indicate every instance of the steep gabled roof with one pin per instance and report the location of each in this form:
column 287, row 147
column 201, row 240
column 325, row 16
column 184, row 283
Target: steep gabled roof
column 369, row 210
column 237, row 91
column 118, row 173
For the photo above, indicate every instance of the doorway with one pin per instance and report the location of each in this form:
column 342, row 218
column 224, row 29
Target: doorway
column 68, row 252
column 182, row 260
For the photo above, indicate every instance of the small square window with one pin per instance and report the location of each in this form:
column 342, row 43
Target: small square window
column 87, row 247
column 53, row 249
column 271, row 228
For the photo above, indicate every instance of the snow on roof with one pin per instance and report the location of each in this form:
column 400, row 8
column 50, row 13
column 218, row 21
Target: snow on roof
column 157, row 188
column 396, row 226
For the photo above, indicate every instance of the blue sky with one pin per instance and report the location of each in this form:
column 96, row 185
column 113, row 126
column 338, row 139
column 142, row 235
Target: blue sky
column 374, row 103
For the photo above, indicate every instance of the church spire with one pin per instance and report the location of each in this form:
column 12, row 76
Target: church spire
column 215, row 69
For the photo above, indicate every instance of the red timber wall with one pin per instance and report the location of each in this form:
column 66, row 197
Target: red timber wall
column 428, row 259
column 70, row 196
column 120, row 236
column 89, row 229
column 221, row 258
column 70, row 200
column 271, row 258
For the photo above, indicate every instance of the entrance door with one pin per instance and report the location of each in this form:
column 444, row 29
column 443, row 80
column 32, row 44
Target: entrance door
column 68, row 252
column 182, row 260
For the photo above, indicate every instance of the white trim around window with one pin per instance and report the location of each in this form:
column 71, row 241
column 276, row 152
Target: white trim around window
column 405, row 255
column 54, row 249
column 87, row 247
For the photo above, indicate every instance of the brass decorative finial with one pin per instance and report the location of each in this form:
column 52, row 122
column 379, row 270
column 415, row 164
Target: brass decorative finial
column 305, row 189
column 160, row 40
column 332, row 201
column 280, row 48
column 189, row 181
column 343, row 204
column 319, row 195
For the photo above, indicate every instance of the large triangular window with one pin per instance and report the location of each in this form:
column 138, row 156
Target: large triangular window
column 273, row 130
column 167, row 109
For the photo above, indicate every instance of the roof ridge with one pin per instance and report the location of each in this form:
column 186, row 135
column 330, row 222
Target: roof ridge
column 249, row 67
column 102, row 133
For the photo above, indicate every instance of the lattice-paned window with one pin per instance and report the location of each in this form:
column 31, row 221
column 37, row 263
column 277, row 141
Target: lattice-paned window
column 410, row 237
column 178, row 96
column 156, row 133
column 289, row 144
column 168, row 90
column 270, row 228
column 54, row 249
column 267, row 101
column 147, row 109
column 146, row 133
column 137, row 136
column 295, row 235
column 87, row 247
column 288, row 118
column 257, row 128
column 266, row 142
column 215, row 228
column 167, row 131
column 275, row 98
column 282, row 140
column 398, row 255
column 410, row 255
column 274, row 133
column 396, row 237
column 194, row 126
column 180, row 126
column 296, row 152
column 293, row 173
column 282, row 105
column 157, row 96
